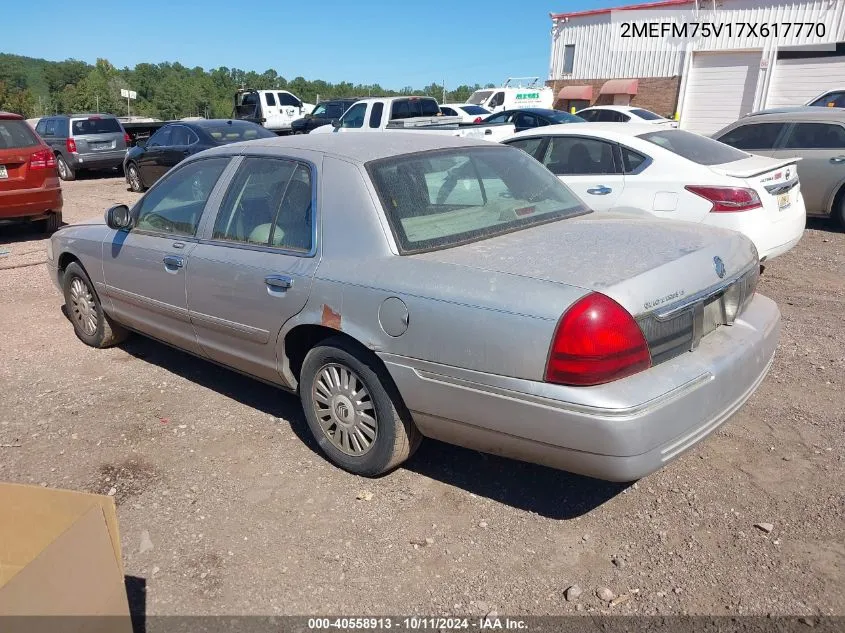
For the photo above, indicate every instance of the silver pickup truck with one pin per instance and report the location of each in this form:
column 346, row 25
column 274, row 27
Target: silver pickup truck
column 410, row 114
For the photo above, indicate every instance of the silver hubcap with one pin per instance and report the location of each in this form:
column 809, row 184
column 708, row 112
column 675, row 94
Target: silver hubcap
column 134, row 180
column 344, row 409
column 62, row 168
column 83, row 307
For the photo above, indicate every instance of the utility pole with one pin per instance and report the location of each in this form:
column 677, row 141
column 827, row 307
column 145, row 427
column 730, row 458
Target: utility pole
column 444, row 92
column 98, row 103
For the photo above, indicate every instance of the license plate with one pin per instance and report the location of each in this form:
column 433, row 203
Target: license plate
column 100, row 145
column 3, row 172
column 783, row 201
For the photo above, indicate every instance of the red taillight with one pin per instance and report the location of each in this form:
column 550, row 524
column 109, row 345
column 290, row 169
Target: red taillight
column 727, row 199
column 71, row 145
column 43, row 159
column 596, row 341
column 127, row 139
column 477, row 119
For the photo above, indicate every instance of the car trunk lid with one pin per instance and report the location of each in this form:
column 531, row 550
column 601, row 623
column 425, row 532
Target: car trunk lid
column 775, row 180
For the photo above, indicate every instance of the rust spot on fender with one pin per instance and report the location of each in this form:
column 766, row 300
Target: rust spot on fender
column 330, row 318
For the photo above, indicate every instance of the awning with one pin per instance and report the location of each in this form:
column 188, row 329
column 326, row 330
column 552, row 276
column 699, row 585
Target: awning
column 581, row 93
column 620, row 87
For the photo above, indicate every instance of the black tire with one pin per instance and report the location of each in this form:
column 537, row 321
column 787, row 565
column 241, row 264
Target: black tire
column 133, row 175
column 396, row 436
column 839, row 208
column 105, row 333
column 51, row 224
column 65, row 170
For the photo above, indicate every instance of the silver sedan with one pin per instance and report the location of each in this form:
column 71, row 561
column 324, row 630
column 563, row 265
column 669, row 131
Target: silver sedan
column 410, row 286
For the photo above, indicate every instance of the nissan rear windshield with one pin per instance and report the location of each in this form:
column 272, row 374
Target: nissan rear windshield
column 95, row 125
column 445, row 198
column 698, row 149
column 15, row 134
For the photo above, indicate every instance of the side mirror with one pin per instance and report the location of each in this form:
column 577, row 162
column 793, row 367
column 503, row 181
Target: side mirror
column 118, row 217
column 336, row 124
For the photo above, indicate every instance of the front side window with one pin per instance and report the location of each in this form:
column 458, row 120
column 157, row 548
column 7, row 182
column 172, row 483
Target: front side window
column 576, row 156
column 448, row 111
column 480, row 96
column 354, row 116
column 816, row 136
column 502, row 117
column 267, row 204
column 588, row 115
column 757, row 136
column 175, row 205
column 698, row 149
column 498, row 100
column 444, row 198
column 161, row 138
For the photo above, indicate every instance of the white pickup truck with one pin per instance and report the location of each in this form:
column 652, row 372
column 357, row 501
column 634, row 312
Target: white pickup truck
column 410, row 114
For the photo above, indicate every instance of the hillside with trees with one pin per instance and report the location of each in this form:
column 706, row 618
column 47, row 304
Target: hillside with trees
column 36, row 87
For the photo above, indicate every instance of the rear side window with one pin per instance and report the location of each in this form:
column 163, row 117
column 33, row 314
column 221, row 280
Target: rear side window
column 408, row 108
column 648, row 115
column 15, row 134
column 448, row 111
column 588, row 115
column 375, row 115
column 698, row 149
column 95, row 125
column 632, row 161
column 816, row 136
column 269, row 98
column 576, row 155
column 757, row 136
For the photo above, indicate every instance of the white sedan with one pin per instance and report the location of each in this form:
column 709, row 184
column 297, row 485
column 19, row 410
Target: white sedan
column 675, row 174
column 468, row 112
column 624, row 114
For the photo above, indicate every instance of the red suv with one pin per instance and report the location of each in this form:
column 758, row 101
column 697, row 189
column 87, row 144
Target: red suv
column 30, row 189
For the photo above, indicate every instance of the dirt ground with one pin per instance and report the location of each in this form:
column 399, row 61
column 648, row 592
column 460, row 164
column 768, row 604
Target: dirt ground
column 226, row 507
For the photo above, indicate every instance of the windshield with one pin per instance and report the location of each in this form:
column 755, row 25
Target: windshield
column 445, row 198
column 95, row 125
column 565, row 117
column 474, row 109
column 698, row 149
column 648, row 115
column 234, row 131
column 479, row 96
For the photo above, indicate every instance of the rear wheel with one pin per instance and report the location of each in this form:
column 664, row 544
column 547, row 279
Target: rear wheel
column 354, row 410
column 52, row 223
column 92, row 326
column 65, row 171
column 839, row 208
column 134, row 178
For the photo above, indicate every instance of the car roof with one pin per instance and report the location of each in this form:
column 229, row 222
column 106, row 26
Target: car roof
column 803, row 113
column 209, row 122
column 540, row 111
column 358, row 148
column 611, row 131
column 10, row 116
column 615, row 108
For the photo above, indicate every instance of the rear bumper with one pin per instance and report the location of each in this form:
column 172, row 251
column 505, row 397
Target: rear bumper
column 97, row 160
column 621, row 431
column 30, row 203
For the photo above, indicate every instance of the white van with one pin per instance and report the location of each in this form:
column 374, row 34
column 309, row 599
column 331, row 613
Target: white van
column 514, row 94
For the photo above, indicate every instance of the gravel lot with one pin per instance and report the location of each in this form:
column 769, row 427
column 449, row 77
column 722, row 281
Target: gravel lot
column 225, row 507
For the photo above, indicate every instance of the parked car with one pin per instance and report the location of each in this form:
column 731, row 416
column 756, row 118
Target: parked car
column 274, row 109
column 529, row 118
column 817, row 137
column 171, row 144
column 513, row 94
column 469, row 113
column 30, row 189
column 322, row 114
column 675, row 174
column 410, row 114
column 496, row 312
column 829, row 99
column 623, row 114
column 84, row 142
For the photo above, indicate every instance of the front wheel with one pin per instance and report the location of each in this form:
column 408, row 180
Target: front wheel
column 134, row 178
column 354, row 410
column 92, row 326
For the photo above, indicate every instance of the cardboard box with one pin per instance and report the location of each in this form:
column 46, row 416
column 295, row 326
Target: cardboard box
column 60, row 560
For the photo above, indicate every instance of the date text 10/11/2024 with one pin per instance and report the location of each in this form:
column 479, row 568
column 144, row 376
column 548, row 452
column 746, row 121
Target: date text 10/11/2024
column 489, row 622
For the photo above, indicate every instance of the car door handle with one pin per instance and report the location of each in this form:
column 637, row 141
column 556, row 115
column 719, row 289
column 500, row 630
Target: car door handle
column 278, row 282
column 174, row 261
column 838, row 159
column 601, row 190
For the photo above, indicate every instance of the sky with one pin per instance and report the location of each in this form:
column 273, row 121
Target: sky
column 394, row 44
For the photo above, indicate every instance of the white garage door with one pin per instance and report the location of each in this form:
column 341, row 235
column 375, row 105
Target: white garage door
column 796, row 81
column 720, row 89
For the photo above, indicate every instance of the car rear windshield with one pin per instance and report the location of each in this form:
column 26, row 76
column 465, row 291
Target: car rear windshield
column 474, row 109
column 648, row 115
column 445, row 198
column 95, row 125
column 15, row 134
column 698, row 149
column 236, row 131
column 479, row 96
